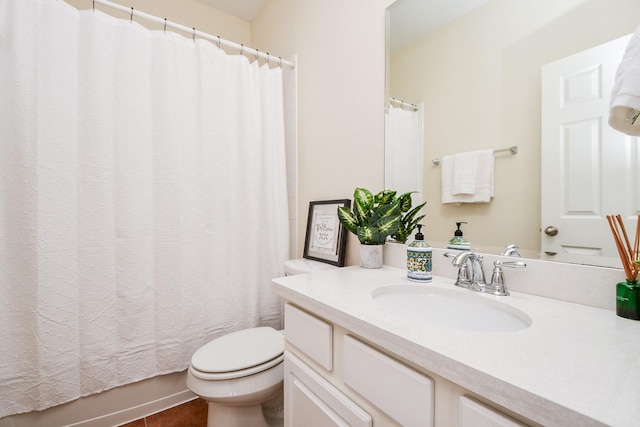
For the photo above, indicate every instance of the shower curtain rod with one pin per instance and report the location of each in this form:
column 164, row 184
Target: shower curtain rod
column 393, row 100
column 196, row 33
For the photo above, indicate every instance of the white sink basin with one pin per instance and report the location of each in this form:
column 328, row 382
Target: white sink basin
column 465, row 310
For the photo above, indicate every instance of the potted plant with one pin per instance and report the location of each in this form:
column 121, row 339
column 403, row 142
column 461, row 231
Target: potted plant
column 409, row 221
column 374, row 218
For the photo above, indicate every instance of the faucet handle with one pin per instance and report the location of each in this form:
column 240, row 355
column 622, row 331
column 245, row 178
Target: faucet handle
column 511, row 250
column 511, row 264
column 498, row 285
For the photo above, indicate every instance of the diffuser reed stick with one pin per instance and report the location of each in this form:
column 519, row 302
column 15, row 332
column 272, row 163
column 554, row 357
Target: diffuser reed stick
column 628, row 254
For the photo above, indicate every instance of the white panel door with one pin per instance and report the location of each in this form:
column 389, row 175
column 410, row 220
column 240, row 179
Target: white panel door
column 589, row 170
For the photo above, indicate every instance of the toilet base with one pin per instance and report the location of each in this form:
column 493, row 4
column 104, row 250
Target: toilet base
column 235, row 416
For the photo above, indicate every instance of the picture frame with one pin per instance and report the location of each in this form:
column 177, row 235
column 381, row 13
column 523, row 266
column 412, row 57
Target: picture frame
column 326, row 238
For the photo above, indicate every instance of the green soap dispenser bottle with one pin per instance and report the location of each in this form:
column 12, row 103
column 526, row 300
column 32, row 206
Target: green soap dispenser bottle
column 419, row 255
column 458, row 241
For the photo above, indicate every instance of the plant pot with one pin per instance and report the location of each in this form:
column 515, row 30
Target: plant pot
column 371, row 256
column 628, row 299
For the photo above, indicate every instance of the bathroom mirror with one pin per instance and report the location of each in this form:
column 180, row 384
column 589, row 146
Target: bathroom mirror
column 478, row 76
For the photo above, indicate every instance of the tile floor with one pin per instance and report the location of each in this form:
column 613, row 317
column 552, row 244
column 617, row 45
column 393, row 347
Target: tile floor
column 194, row 414
column 190, row 414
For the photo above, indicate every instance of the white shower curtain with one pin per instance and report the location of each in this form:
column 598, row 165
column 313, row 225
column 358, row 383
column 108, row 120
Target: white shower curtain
column 404, row 151
column 143, row 204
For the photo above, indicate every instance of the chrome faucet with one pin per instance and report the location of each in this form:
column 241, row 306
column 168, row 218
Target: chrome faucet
column 471, row 264
column 471, row 273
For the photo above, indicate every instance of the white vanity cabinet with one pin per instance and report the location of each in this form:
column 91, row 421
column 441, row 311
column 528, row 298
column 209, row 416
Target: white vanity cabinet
column 312, row 401
column 401, row 392
column 334, row 378
column 475, row 414
column 349, row 383
column 359, row 346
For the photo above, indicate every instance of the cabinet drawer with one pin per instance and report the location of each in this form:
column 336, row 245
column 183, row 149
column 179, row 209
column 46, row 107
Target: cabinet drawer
column 310, row 335
column 475, row 414
column 402, row 393
column 311, row 401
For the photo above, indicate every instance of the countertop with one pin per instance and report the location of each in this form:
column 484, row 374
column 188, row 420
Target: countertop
column 574, row 365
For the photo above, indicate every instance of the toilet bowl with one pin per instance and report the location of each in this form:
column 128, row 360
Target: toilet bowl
column 236, row 373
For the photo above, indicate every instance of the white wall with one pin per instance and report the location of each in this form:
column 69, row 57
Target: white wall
column 340, row 48
column 479, row 77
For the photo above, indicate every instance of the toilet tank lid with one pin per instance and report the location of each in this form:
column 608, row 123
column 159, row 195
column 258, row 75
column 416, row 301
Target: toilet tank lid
column 303, row 265
column 239, row 350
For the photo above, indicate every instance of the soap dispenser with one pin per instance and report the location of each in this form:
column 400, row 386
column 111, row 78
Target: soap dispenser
column 458, row 241
column 419, row 256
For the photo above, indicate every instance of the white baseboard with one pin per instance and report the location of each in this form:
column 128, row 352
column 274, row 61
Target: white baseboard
column 112, row 407
column 137, row 412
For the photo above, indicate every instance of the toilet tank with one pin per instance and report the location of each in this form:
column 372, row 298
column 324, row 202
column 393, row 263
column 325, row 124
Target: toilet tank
column 303, row 265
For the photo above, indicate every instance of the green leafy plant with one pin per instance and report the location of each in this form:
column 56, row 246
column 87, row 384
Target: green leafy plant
column 409, row 221
column 374, row 218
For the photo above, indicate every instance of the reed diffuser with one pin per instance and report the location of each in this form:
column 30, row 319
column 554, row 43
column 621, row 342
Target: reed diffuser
column 627, row 292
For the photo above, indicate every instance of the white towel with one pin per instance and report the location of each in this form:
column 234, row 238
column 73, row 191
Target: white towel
column 483, row 191
column 465, row 172
column 624, row 112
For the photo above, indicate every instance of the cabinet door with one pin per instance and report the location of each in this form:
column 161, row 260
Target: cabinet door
column 475, row 414
column 310, row 335
column 311, row 401
column 403, row 394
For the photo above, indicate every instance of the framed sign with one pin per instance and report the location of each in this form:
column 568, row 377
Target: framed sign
column 326, row 238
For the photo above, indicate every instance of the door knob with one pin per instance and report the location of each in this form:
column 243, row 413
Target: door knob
column 551, row 231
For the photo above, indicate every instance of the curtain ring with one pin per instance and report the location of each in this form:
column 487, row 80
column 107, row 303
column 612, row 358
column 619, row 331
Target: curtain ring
column 165, row 25
column 258, row 56
column 241, row 49
column 280, row 65
column 218, row 42
column 94, row 5
column 268, row 59
column 131, row 18
column 194, row 34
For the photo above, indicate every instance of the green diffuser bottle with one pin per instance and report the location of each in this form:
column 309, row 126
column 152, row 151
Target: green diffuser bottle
column 628, row 299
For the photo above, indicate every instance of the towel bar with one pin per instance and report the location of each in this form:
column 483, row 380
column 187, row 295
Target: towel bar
column 513, row 149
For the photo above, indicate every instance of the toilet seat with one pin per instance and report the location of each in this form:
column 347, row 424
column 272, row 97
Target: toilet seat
column 238, row 354
column 219, row 376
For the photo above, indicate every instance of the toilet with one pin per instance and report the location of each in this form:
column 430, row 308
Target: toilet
column 238, row 372
column 303, row 265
